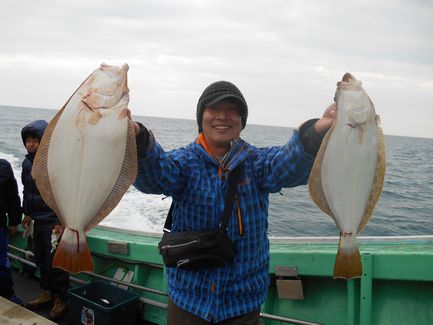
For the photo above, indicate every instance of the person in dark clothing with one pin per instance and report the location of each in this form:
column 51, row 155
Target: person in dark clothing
column 53, row 281
column 10, row 217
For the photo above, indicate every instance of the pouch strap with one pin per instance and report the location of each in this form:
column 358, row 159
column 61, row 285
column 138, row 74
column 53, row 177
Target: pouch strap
column 231, row 193
column 169, row 219
column 233, row 182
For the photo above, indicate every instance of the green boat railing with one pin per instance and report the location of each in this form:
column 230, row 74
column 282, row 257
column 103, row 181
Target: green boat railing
column 396, row 286
column 143, row 300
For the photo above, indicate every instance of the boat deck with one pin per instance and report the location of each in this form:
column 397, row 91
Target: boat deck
column 27, row 288
column 11, row 313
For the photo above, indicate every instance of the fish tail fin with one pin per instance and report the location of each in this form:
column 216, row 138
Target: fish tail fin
column 348, row 261
column 73, row 254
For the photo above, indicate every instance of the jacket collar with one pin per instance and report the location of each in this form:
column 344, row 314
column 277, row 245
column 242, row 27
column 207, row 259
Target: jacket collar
column 31, row 156
column 237, row 153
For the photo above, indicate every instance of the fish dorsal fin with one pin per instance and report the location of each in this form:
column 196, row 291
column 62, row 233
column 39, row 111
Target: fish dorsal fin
column 315, row 181
column 379, row 177
column 40, row 169
column 126, row 177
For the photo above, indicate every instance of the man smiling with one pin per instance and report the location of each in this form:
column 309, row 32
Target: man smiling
column 196, row 177
column 221, row 126
column 223, row 118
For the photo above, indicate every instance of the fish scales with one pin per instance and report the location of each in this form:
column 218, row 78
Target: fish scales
column 348, row 173
column 87, row 160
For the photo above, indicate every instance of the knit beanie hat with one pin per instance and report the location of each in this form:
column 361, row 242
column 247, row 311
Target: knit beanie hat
column 218, row 91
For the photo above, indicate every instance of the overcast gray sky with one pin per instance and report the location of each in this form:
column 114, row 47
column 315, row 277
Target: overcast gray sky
column 285, row 56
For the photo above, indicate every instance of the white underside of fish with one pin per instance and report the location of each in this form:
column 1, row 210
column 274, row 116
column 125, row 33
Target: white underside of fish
column 347, row 176
column 82, row 165
column 348, row 169
column 86, row 161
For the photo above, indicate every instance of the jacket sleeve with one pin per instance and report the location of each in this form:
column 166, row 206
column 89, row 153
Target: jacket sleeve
column 26, row 188
column 310, row 139
column 33, row 204
column 159, row 172
column 285, row 166
column 13, row 199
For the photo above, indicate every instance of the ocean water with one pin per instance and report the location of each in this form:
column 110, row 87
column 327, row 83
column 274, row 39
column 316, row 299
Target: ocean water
column 405, row 206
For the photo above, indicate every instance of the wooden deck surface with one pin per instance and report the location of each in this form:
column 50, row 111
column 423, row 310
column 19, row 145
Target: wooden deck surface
column 11, row 313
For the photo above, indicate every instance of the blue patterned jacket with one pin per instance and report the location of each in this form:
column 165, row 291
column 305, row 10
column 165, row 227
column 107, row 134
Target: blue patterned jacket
column 198, row 185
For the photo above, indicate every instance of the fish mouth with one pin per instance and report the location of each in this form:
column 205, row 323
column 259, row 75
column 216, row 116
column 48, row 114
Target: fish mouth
column 348, row 82
column 348, row 77
column 110, row 89
column 123, row 71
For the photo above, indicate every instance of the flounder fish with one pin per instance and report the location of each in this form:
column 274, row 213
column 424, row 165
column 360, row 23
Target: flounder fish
column 87, row 160
column 348, row 173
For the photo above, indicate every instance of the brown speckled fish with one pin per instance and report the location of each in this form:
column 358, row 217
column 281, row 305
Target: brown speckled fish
column 348, row 173
column 87, row 160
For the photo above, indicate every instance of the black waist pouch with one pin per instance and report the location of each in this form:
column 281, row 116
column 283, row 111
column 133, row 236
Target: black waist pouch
column 193, row 250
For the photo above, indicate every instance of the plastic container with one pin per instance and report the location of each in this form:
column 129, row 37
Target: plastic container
column 99, row 303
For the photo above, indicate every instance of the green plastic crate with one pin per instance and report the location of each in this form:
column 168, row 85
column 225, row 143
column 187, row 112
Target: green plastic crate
column 99, row 303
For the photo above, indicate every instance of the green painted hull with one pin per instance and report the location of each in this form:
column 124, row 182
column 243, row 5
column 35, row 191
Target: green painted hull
column 396, row 286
